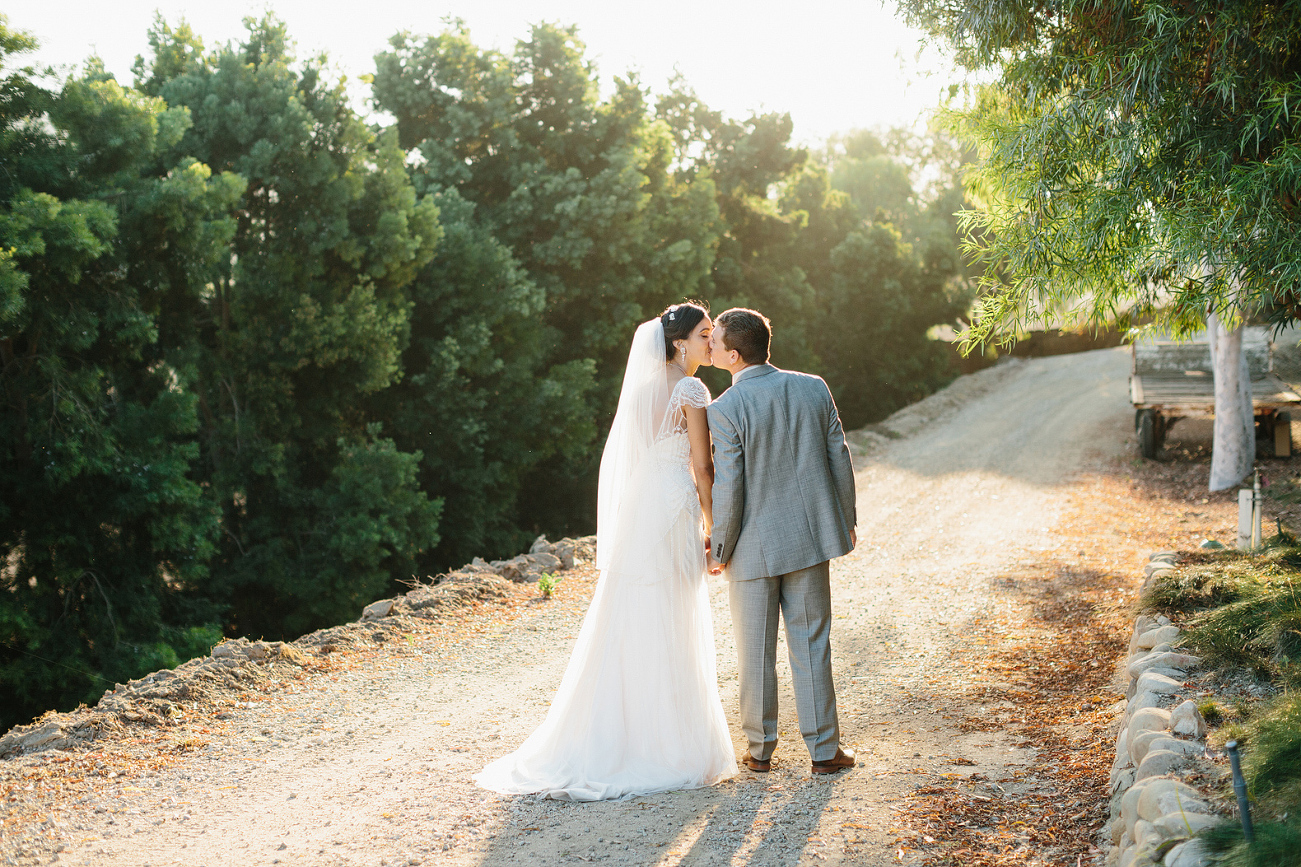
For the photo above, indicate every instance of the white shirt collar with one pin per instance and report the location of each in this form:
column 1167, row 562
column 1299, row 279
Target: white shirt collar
column 745, row 371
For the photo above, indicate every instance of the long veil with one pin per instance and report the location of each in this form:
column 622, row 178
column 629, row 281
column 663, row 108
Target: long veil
column 642, row 404
column 637, row 710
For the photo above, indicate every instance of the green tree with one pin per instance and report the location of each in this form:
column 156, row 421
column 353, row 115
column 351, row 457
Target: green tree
column 105, row 534
column 876, row 297
column 306, row 318
column 746, row 163
column 478, row 400
column 1138, row 159
column 579, row 191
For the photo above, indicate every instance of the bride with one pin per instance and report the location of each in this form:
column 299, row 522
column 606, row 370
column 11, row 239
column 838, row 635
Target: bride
column 638, row 708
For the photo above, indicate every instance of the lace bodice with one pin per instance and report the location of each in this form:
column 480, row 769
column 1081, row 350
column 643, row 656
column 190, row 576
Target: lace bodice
column 672, row 449
column 688, row 392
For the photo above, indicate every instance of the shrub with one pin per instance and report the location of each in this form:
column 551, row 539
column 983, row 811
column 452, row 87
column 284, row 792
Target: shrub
column 1277, row 844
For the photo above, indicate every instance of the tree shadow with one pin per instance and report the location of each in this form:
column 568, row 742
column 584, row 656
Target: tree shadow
column 750, row 818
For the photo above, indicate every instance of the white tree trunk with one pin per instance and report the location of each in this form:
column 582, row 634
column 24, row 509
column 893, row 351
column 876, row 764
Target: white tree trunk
column 1234, row 448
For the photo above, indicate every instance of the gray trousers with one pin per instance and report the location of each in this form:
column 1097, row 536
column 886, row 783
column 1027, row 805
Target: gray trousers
column 804, row 600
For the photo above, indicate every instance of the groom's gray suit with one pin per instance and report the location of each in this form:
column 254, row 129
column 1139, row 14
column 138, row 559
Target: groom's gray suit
column 783, row 508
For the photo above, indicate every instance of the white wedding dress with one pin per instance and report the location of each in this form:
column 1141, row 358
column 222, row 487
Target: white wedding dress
column 638, row 708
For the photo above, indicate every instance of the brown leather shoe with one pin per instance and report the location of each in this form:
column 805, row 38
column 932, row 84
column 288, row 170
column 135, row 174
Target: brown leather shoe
column 759, row 767
column 843, row 759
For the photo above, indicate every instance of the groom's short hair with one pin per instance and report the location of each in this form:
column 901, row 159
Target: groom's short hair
column 748, row 332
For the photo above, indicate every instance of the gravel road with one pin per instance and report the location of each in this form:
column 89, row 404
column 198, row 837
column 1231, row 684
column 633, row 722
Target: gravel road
column 371, row 764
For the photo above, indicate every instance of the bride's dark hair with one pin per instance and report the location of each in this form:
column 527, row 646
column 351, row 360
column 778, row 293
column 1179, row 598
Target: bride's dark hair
column 679, row 321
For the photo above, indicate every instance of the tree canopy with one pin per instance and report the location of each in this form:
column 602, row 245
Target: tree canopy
column 1138, row 158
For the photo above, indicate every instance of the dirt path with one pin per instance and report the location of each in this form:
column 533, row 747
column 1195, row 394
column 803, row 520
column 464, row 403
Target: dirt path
column 370, row 765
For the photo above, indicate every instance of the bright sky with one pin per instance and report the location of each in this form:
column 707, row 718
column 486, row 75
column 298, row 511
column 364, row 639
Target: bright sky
column 834, row 66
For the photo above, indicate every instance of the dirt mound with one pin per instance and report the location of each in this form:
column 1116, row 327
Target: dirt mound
column 235, row 665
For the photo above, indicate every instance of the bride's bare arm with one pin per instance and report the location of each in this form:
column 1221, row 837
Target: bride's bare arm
column 702, row 461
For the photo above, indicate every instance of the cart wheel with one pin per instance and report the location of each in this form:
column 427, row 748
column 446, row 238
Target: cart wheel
column 1145, row 425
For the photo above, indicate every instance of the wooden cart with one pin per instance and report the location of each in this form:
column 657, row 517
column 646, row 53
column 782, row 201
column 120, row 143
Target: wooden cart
column 1172, row 380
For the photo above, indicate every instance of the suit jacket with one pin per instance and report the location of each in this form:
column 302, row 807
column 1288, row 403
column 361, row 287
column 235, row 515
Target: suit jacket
column 783, row 481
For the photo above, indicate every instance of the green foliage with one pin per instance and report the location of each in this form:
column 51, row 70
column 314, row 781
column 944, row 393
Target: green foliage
column 1277, row 844
column 548, row 583
column 1245, row 612
column 478, row 399
column 105, row 536
column 1272, row 768
column 578, row 192
column 1273, row 762
column 305, row 316
column 1248, row 610
column 1139, row 159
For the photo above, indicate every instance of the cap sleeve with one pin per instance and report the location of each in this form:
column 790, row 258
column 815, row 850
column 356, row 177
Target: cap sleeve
column 693, row 392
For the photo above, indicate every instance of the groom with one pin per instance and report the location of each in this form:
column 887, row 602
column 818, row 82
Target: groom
column 783, row 508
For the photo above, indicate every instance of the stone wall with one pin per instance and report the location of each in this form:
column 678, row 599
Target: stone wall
column 1160, row 749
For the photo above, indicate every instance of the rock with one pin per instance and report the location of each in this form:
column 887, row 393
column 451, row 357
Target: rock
column 1184, row 824
column 1190, row 853
column 1174, row 745
column 1146, row 700
column 1187, row 720
column 1164, row 647
column 564, row 549
column 32, row 741
column 1160, row 635
column 541, row 546
column 1129, row 806
column 1122, row 781
column 1115, row 830
column 478, row 564
column 1135, row 856
column 377, row 610
column 1162, row 620
column 1144, row 623
column 1163, row 662
column 544, row 562
column 1142, row 742
column 1158, row 763
column 515, row 569
column 1145, row 835
column 1211, row 543
column 1160, row 797
column 1148, row 719
column 1134, row 688
column 1161, row 684
column 221, row 651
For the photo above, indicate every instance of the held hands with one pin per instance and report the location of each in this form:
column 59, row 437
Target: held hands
column 715, row 568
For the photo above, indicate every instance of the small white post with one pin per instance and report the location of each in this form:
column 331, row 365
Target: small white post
column 1245, row 509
